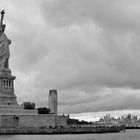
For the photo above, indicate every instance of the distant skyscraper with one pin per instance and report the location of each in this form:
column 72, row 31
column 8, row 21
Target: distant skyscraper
column 53, row 101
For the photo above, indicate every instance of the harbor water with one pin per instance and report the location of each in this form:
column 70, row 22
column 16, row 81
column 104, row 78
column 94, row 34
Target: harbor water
column 133, row 134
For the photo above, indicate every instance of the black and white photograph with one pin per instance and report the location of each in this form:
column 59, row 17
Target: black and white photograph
column 69, row 69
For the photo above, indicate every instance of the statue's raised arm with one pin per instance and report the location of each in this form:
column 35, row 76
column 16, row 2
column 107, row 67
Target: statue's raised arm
column 2, row 17
column 4, row 45
column 1, row 21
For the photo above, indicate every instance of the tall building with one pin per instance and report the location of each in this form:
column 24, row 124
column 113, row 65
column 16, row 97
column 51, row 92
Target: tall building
column 53, row 101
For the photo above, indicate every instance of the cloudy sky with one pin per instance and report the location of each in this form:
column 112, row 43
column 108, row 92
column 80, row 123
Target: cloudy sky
column 89, row 50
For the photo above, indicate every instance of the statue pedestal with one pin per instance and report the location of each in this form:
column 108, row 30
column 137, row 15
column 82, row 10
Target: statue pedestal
column 7, row 96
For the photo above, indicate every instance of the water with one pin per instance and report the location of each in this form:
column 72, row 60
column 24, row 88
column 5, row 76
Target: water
column 128, row 135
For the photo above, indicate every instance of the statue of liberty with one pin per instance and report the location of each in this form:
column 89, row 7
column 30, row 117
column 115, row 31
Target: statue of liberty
column 4, row 45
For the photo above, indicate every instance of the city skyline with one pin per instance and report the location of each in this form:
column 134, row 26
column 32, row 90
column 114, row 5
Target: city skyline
column 87, row 50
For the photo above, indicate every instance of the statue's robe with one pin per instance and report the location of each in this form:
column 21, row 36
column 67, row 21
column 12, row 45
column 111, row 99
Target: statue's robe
column 4, row 50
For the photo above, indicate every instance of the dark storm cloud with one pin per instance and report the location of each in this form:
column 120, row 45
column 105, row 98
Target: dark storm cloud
column 88, row 50
column 113, row 14
column 103, row 100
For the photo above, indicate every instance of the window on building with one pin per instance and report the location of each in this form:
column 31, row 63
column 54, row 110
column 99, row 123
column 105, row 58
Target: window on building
column 4, row 82
column 9, row 83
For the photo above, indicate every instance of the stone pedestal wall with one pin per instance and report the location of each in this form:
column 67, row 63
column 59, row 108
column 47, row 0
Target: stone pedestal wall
column 36, row 120
column 61, row 120
column 7, row 95
column 32, row 121
column 23, row 121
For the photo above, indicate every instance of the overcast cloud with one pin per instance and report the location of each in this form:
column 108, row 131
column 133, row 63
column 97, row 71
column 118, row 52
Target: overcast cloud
column 89, row 50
